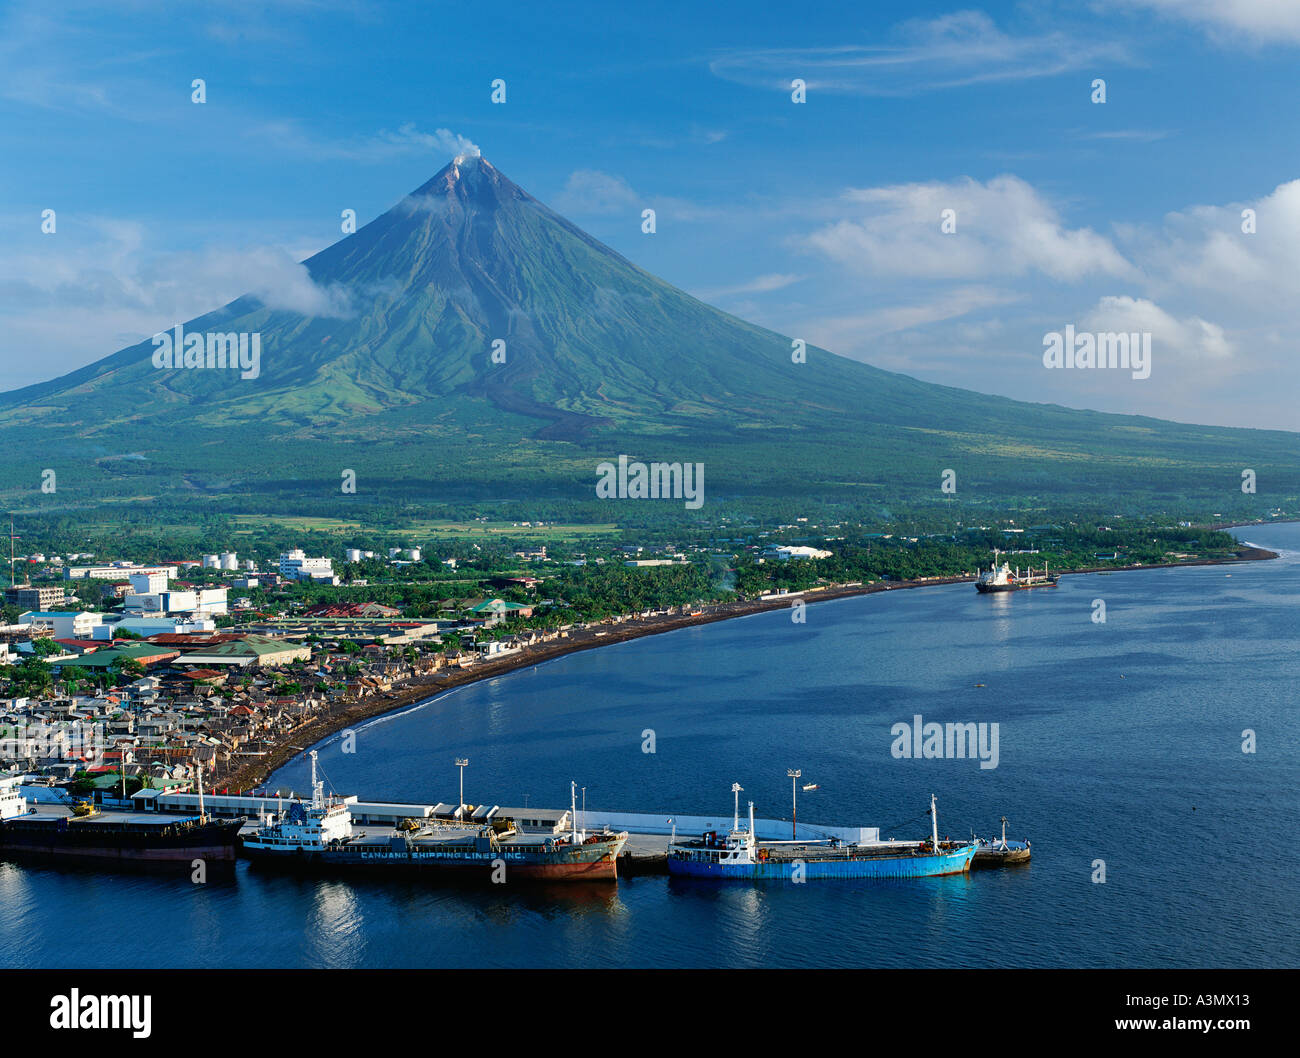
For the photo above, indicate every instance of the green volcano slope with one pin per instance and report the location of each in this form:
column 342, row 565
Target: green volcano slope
column 397, row 381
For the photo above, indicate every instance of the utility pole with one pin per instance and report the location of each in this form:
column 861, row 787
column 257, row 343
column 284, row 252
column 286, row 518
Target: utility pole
column 462, row 763
column 12, row 537
column 794, row 774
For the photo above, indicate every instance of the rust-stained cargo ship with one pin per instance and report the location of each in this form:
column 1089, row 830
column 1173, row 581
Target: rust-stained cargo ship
column 318, row 836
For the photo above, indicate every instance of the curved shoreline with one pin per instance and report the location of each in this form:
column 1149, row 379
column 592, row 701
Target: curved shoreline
column 417, row 691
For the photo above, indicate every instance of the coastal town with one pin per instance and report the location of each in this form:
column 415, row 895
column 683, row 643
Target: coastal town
column 178, row 673
column 221, row 668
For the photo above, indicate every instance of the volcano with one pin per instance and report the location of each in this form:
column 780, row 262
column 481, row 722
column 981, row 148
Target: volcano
column 474, row 343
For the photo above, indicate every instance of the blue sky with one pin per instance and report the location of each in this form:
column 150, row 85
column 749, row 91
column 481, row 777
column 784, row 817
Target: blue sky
column 820, row 220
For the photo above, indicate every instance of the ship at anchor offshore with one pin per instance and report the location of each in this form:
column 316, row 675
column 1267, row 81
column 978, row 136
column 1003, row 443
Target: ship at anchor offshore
column 319, row 836
column 1000, row 578
column 741, row 856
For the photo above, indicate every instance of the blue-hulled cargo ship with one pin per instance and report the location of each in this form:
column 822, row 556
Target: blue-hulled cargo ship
column 741, row 856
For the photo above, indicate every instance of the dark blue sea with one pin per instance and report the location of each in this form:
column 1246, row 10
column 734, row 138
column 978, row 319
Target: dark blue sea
column 1119, row 742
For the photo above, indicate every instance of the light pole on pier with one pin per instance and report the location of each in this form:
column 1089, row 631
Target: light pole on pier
column 462, row 763
column 794, row 774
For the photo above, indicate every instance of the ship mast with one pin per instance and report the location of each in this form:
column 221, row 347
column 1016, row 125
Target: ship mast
column 934, row 823
column 199, row 772
column 794, row 774
column 735, row 790
column 573, row 809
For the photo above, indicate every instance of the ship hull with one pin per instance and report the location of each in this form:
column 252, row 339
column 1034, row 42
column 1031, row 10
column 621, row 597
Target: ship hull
column 999, row 856
column 923, row 866
column 213, row 843
column 582, row 865
column 993, row 589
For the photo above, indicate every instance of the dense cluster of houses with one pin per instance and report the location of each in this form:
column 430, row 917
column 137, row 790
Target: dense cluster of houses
column 166, row 724
column 219, row 700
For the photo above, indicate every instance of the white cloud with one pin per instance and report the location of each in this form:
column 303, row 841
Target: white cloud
column 1187, row 337
column 1003, row 228
column 107, row 289
column 1261, row 21
column 962, row 48
column 1204, row 249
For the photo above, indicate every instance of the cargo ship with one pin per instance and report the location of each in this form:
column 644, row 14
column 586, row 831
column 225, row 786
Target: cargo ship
column 319, row 836
column 999, row 578
column 79, row 832
column 741, row 856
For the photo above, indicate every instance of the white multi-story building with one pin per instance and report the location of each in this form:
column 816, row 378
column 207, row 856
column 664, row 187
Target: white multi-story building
column 67, row 625
column 114, row 572
column 295, row 565
column 148, row 583
column 209, row 601
column 150, row 626
column 784, row 552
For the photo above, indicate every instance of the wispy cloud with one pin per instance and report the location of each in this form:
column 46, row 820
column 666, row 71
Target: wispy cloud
column 593, row 192
column 956, row 50
column 382, row 146
column 852, row 333
column 763, row 284
column 1127, row 135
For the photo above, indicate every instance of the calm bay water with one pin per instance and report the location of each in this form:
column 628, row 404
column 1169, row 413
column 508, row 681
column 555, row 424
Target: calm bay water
column 1119, row 742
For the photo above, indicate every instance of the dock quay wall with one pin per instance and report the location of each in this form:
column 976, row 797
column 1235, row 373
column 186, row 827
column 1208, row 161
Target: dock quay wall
column 764, row 829
column 231, row 806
